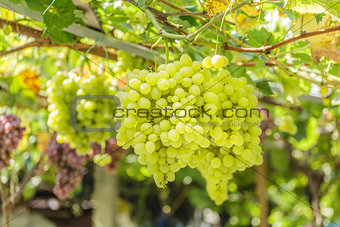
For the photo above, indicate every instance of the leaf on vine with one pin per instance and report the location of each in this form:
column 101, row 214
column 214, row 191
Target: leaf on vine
column 250, row 11
column 243, row 21
column 216, row 6
column 141, row 3
column 332, row 6
column 15, row 1
column 306, row 6
column 60, row 16
column 263, row 86
column 35, row 5
column 30, row 79
column 43, row 140
column 324, row 45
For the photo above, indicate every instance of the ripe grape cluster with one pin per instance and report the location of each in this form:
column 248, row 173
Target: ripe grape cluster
column 109, row 157
column 189, row 120
column 10, row 134
column 90, row 113
column 69, row 166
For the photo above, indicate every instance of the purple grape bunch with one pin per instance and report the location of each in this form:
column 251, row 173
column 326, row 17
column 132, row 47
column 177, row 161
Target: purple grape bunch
column 69, row 166
column 10, row 134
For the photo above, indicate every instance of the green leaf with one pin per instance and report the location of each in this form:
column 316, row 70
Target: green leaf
column 15, row 1
column 60, row 16
column 58, row 36
column 35, row 5
column 141, row 3
column 279, row 160
column 264, row 87
column 200, row 199
column 318, row 17
column 258, row 38
column 332, row 6
column 311, row 139
column 335, row 70
column 15, row 85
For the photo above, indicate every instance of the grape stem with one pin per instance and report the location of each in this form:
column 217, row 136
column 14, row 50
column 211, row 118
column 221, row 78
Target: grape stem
column 330, row 84
column 283, row 43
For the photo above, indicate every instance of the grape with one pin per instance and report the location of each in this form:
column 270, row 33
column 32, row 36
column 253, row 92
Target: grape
column 69, row 167
column 163, row 84
column 10, row 134
column 225, row 61
column 175, row 139
column 94, row 113
column 217, row 61
column 111, row 156
column 207, row 62
column 198, row 78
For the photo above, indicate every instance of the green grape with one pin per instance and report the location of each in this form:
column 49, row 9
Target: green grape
column 185, row 60
column 175, row 139
column 207, row 62
column 152, row 158
column 217, row 61
column 228, row 160
column 163, row 84
column 198, row 79
column 186, row 71
column 210, row 97
column 216, row 163
column 89, row 113
column 145, row 88
column 150, row 146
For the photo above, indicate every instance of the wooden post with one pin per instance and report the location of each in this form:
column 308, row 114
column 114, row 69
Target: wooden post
column 106, row 198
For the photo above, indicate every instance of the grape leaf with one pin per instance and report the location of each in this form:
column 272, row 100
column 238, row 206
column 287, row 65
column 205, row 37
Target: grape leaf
column 279, row 160
column 258, row 38
column 15, row 1
column 58, row 36
column 61, row 16
column 35, row 5
column 141, row 3
column 306, row 6
column 335, row 70
column 332, row 6
column 263, row 86
column 319, row 17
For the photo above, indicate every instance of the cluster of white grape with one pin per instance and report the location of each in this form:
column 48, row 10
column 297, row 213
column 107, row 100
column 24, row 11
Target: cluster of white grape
column 89, row 113
column 185, row 116
column 10, row 134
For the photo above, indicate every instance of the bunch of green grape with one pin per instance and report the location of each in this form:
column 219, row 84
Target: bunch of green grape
column 89, row 113
column 212, row 138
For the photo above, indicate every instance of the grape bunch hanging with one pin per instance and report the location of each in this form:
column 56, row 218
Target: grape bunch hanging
column 206, row 139
column 69, row 168
column 10, row 134
column 90, row 113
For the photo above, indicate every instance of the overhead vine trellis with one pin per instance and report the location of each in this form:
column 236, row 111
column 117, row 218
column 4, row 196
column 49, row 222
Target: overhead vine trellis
column 82, row 31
